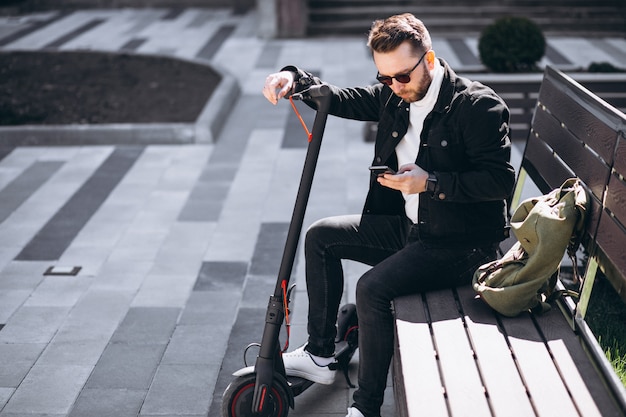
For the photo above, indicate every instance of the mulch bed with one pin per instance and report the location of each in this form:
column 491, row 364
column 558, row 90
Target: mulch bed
column 51, row 88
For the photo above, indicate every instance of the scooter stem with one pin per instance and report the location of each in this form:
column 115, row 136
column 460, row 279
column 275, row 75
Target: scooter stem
column 269, row 359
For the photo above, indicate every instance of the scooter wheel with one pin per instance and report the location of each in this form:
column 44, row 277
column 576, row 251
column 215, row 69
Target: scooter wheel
column 237, row 399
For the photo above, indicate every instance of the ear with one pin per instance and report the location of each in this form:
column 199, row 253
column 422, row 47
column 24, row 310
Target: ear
column 430, row 59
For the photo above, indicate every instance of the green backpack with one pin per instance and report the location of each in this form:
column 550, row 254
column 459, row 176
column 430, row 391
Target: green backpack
column 545, row 227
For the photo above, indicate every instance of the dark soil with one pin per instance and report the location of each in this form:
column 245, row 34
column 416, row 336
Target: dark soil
column 43, row 88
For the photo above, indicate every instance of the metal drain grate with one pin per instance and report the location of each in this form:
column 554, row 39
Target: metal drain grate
column 63, row 270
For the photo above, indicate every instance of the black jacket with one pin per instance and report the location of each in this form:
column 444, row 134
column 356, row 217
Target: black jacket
column 464, row 142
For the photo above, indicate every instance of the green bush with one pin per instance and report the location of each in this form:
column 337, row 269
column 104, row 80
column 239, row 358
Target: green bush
column 603, row 67
column 512, row 44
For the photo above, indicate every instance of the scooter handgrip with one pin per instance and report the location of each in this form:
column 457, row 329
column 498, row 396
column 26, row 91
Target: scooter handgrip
column 320, row 90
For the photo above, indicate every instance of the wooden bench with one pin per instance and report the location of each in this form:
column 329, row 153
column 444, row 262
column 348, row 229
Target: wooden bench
column 455, row 356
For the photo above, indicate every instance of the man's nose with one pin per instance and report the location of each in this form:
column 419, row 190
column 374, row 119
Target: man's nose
column 396, row 85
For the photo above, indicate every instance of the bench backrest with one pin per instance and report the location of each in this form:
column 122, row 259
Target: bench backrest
column 576, row 133
column 520, row 91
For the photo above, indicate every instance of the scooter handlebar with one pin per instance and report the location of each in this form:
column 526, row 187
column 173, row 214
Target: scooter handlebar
column 315, row 91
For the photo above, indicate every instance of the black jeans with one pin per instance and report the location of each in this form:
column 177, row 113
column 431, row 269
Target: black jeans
column 402, row 264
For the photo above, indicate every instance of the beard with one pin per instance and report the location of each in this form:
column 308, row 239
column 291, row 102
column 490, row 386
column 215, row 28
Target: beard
column 418, row 93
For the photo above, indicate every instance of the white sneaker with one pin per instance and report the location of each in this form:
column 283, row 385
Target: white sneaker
column 354, row 412
column 300, row 363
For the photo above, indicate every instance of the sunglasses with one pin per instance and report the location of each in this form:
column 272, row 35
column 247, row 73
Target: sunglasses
column 401, row 78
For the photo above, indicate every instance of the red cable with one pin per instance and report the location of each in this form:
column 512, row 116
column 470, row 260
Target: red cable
column 309, row 134
column 286, row 307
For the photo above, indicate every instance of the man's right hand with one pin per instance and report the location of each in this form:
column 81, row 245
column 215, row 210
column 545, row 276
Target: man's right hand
column 277, row 86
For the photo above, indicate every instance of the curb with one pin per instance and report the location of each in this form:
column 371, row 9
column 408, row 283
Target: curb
column 204, row 130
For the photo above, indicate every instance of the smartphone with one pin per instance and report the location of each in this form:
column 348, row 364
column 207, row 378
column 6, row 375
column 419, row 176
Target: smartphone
column 382, row 169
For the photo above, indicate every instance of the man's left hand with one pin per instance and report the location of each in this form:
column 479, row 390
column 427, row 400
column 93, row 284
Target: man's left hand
column 410, row 179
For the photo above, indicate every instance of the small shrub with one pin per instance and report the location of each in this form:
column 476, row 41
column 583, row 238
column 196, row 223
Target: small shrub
column 512, row 44
column 603, row 67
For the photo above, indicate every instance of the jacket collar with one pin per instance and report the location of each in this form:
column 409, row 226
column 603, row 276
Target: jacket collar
column 448, row 88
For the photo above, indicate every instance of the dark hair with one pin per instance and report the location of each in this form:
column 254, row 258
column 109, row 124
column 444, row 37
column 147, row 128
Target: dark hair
column 387, row 34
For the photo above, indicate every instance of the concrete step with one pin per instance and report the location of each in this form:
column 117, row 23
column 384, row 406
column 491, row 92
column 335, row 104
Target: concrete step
column 346, row 17
column 474, row 4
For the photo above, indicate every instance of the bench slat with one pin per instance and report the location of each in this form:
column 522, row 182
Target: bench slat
column 547, row 392
column 611, row 240
column 552, row 173
column 581, row 377
column 620, row 156
column 616, row 199
column 506, row 391
column 463, row 385
column 583, row 123
column 415, row 364
column 570, row 149
column 419, row 371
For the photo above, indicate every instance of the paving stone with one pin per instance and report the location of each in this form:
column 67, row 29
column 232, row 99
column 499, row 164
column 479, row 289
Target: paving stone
column 122, row 272
column 209, row 49
column 269, row 57
column 180, row 389
column 147, row 325
column 96, row 315
column 173, row 415
column 15, row 193
column 216, row 276
column 16, row 360
column 108, row 403
column 33, row 325
column 269, row 249
column 48, row 389
column 58, row 291
column 85, row 27
column 78, row 352
column 10, row 301
column 5, row 394
column 205, row 203
column 22, row 275
column 85, row 334
column 209, row 307
column 258, row 290
column 138, row 245
column 167, row 287
column 126, row 366
column 197, row 344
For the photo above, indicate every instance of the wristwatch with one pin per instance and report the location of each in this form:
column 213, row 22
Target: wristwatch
column 431, row 182
column 305, row 81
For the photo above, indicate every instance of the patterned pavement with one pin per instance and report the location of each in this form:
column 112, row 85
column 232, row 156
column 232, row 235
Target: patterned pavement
column 133, row 276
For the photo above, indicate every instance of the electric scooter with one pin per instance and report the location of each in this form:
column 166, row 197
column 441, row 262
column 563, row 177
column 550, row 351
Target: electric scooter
column 265, row 390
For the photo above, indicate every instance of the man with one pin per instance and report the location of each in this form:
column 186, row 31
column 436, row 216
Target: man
column 428, row 226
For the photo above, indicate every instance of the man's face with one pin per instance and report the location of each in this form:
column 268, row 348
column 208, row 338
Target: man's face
column 400, row 61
